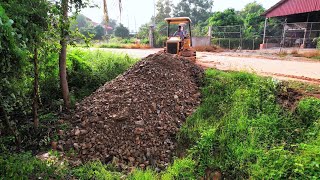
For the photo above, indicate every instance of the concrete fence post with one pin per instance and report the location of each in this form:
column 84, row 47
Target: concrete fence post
column 151, row 36
column 210, row 33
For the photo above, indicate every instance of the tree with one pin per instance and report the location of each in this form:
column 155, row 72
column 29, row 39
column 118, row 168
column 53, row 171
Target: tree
column 197, row 10
column 112, row 23
column 11, row 62
column 163, row 10
column 253, row 21
column 121, row 31
column 99, row 32
column 63, row 53
column 226, row 18
column 82, row 21
column 22, row 28
column 143, row 32
column 64, row 35
column 168, row 8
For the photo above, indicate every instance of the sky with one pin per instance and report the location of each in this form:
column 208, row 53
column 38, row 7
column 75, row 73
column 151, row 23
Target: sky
column 138, row 12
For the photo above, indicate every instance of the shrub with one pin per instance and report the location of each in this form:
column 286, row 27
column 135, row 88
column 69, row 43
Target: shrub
column 87, row 70
column 180, row 169
column 143, row 175
column 25, row 166
column 96, row 170
column 295, row 52
column 111, row 45
column 309, row 110
column 311, row 54
column 283, row 53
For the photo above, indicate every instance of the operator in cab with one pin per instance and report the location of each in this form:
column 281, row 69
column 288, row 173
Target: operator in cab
column 180, row 33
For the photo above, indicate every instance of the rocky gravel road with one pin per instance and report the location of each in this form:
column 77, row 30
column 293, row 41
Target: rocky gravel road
column 289, row 68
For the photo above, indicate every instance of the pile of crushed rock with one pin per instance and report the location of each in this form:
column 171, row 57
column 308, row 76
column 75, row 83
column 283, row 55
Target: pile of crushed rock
column 132, row 121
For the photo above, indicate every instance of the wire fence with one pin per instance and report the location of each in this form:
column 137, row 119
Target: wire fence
column 227, row 36
column 286, row 35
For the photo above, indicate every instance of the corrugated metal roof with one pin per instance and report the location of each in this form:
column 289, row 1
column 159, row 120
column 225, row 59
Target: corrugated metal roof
column 289, row 7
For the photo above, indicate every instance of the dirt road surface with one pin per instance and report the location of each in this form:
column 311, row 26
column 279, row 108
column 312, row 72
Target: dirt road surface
column 294, row 69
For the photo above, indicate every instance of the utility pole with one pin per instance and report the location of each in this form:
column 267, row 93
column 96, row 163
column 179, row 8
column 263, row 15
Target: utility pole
column 128, row 21
column 154, row 13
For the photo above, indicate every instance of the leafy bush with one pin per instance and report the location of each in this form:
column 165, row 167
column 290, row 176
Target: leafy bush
column 128, row 41
column 309, row 110
column 111, row 45
column 96, row 170
column 25, row 166
column 143, row 175
column 144, row 41
column 121, row 31
column 180, row 169
column 87, row 70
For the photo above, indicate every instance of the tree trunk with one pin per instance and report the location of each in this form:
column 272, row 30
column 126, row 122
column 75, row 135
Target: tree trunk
column 9, row 127
column 63, row 55
column 35, row 89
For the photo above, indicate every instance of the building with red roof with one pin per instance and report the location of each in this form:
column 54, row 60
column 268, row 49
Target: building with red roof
column 301, row 22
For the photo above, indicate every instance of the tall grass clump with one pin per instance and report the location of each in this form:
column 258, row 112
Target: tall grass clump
column 96, row 170
column 26, row 166
column 240, row 130
column 87, row 70
column 143, row 175
column 112, row 45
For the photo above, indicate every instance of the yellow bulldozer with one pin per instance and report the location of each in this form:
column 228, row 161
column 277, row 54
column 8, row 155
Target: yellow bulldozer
column 180, row 42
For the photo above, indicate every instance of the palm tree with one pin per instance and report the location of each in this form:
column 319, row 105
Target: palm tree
column 105, row 11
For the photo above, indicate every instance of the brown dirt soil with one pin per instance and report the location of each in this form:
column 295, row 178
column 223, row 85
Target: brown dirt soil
column 289, row 97
column 132, row 121
column 212, row 48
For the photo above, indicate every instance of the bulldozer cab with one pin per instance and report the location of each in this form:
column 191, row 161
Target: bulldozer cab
column 174, row 23
column 179, row 41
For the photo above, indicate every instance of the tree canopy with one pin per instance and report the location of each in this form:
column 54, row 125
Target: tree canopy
column 197, row 10
column 121, row 31
column 164, row 10
column 226, row 18
column 252, row 19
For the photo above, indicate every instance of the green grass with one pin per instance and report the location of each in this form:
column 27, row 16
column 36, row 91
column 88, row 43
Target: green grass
column 316, row 58
column 26, row 166
column 242, row 131
column 96, row 170
column 306, row 87
column 111, row 45
column 87, row 70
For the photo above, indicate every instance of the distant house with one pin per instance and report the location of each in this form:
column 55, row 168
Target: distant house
column 92, row 22
column 95, row 24
column 301, row 23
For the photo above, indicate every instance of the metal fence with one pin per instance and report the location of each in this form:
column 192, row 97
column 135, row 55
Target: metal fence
column 227, row 36
column 300, row 34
